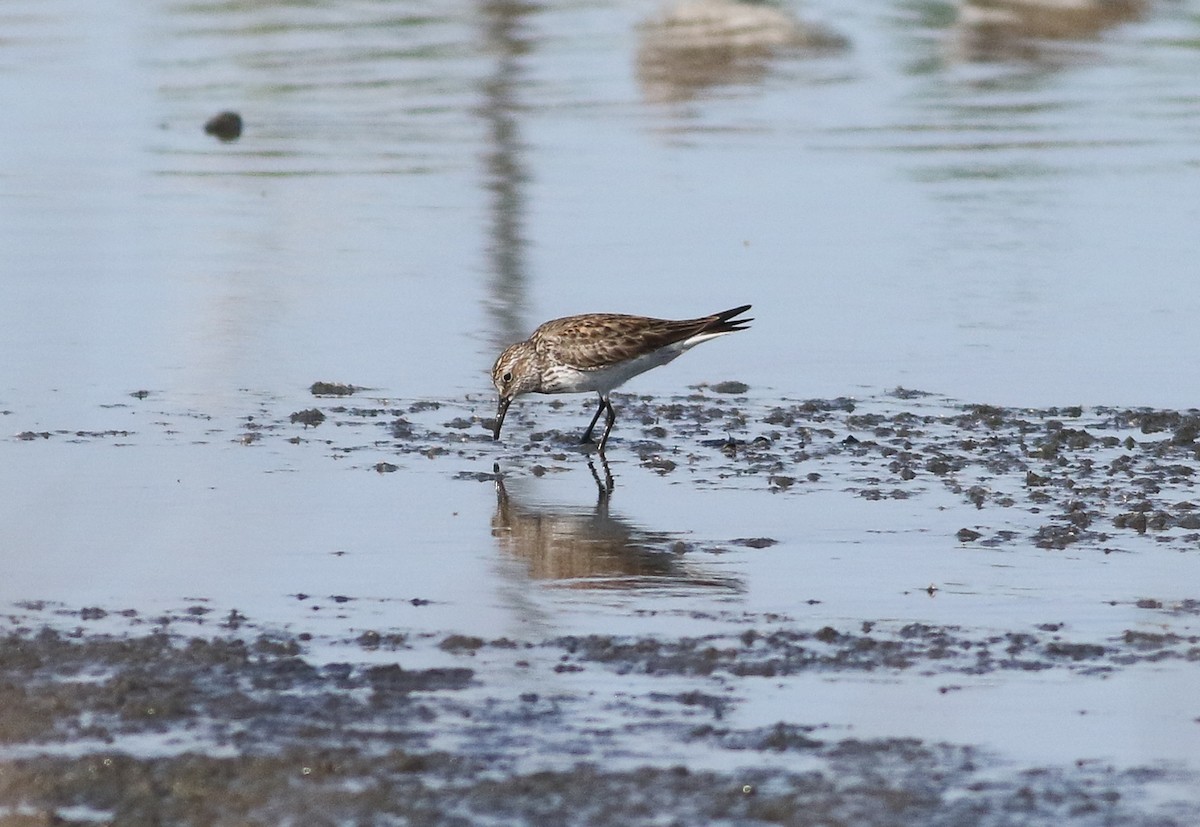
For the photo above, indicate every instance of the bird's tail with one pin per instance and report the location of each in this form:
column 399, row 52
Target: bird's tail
column 724, row 322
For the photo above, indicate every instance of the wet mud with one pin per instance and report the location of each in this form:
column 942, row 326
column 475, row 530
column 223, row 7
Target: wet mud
column 233, row 725
column 210, row 716
column 1083, row 476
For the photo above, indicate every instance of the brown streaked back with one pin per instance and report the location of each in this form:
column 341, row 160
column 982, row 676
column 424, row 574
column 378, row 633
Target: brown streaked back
column 596, row 339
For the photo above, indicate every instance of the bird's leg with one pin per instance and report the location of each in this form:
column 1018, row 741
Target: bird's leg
column 610, row 418
column 603, row 489
column 608, row 477
column 587, row 435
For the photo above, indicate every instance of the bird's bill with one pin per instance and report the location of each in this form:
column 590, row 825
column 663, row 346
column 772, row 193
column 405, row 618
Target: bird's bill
column 501, row 410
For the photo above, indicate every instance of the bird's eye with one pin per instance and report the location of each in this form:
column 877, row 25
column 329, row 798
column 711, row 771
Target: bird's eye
column 507, row 377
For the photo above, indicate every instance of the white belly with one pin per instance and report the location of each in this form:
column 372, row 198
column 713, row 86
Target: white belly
column 566, row 379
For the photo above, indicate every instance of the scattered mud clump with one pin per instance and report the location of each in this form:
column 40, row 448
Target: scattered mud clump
column 310, row 418
column 754, row 542
column 332, row 389
column 226, row 126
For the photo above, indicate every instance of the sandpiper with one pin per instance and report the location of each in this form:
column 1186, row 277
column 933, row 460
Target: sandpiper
column 599, row 352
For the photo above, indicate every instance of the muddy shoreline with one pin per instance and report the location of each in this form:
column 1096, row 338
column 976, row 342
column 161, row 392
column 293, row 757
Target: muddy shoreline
column 209, row 714
column 158, row 727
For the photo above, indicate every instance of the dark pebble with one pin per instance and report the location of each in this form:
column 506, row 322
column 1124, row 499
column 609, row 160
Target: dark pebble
column 225, row 125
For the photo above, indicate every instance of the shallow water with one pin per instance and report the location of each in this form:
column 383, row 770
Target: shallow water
column 906, row 201
column 1015, row 230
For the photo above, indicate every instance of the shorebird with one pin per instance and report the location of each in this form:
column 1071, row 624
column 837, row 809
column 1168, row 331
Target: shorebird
column 599, row 352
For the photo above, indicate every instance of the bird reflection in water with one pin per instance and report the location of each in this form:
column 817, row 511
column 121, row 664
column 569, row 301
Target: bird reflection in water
column 694, row 46
column 1002, row 30
column 592, row 549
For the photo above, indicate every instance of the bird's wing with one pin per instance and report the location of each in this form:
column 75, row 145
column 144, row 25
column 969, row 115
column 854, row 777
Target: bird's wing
column 600, row 339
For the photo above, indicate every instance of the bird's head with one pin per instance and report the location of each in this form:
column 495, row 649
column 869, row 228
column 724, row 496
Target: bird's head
column 513, row 374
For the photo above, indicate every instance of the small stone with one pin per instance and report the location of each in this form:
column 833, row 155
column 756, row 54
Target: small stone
column 226, row 126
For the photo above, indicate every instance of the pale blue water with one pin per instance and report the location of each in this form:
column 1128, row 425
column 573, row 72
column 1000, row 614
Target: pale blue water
column 1019, row 232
